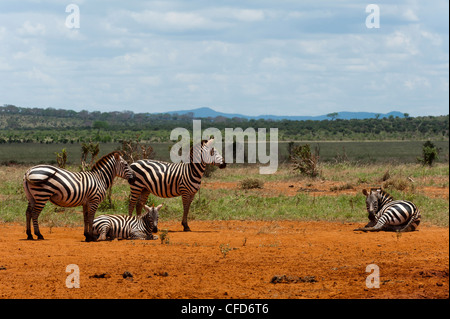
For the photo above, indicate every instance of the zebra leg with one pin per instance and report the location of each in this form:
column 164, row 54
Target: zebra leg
column 412, row 224
column 28, row 214
column 89, row 210
column 187, row 200
column 34, row 215
column 86, row 222
column 365, row 229
column 103, row 233
column 142, row 201
column 135, row 196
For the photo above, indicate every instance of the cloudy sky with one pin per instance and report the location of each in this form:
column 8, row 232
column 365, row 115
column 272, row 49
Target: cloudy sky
column 256, row 57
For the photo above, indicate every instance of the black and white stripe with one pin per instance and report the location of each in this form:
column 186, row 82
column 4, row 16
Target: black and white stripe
column 64, row 188
column 128, row 227
column 173, row 179
column 388, row 214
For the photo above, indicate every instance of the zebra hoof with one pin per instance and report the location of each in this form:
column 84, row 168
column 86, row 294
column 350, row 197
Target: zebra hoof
column 40, row 237
column 29, row 237
column 186, row 228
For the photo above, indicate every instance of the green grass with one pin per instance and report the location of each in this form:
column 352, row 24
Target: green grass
column 221, row 204
column 372, row 152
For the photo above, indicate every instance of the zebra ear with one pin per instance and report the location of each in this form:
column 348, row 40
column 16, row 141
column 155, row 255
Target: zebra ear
column 159, row 207
column 364, row 191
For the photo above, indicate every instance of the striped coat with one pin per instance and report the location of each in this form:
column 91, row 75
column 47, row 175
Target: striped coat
column 44, row 183
column 127, row 227
column 388, row 214
column 172, row 179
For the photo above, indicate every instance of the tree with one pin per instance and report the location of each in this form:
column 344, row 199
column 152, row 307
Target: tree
column 134, row 150
column 429, row 154
column 333, row 115
column 100, row 125
column 86, row 149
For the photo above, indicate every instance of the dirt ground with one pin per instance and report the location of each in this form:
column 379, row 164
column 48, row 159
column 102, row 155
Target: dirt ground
column 316, row 188
column 228, row 259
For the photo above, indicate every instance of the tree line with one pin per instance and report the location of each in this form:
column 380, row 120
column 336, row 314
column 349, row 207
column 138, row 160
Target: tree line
column 38, row 125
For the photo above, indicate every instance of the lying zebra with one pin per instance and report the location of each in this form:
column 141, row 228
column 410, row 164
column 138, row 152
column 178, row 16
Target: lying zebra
column 388, row 214
column 128, row 227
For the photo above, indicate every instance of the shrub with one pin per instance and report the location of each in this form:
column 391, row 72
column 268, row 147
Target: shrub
column 61, row 158
column 429, row 154
column 304, row 161
column 251, row 183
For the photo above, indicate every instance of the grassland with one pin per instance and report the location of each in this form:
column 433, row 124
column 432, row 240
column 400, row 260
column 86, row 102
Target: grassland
column 407, row 181
column 367, row 152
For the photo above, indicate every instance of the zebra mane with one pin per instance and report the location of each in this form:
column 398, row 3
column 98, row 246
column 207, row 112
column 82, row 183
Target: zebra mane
column 97, row 164
column 191, row 151
column 381, row 190
column 385, row 197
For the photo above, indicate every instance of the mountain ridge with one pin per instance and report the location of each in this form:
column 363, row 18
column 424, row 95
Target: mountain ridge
column 205, row 112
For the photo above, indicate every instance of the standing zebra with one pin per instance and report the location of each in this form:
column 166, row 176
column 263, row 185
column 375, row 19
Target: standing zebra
column 388, row 214
column 128, row 227
column 63, row 188
column 173, row 179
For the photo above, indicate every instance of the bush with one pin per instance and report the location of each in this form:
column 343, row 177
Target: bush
column 429, row 154
column 304, row 161
column 251, row 183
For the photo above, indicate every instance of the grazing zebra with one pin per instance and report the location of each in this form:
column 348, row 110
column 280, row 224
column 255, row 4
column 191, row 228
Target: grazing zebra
column 63, row 188
column 388, row 214
column 128, row 227
column 173, row 179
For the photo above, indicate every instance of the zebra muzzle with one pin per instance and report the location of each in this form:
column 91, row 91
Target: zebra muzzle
column 223, row 165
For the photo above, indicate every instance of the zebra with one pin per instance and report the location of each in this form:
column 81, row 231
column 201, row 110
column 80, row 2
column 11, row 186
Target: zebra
column 64, row 188
column 173, row 179
column 388, row 214
column 128, row 227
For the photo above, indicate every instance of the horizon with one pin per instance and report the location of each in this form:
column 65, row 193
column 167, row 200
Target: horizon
column 211, row 109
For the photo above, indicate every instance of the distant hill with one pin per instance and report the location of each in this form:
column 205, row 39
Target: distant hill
column 205, row 112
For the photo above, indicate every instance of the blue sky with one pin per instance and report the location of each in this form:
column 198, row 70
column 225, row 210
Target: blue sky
column 249, row 57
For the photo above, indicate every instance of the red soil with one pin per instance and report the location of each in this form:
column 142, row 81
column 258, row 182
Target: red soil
column 229, row 259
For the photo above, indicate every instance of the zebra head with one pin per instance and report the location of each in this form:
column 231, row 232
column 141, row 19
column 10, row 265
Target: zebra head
column 123, row 169
column 150, row 217
column 373, row 199
column 210, row 155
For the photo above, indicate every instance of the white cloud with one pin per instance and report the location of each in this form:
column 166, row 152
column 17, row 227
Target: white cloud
column 172, row 20
column 274, row 61
column 410, row 15
column 28, row 28
column 248, row 15
column 416, row 82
